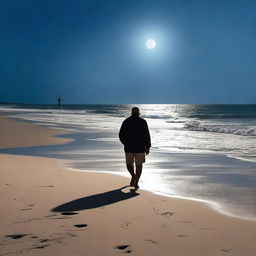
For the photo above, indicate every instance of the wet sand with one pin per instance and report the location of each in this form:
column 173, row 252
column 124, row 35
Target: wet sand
column 48, row 210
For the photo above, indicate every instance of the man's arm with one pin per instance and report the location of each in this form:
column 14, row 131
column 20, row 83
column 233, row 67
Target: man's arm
column 148, row 139
column 122, row 133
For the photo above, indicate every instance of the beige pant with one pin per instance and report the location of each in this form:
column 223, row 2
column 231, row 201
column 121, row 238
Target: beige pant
column 139, row 158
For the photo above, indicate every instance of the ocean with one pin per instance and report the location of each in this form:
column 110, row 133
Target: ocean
column 201, row 152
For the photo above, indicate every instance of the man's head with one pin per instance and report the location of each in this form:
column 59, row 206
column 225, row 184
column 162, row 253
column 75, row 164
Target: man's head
column 135, row 111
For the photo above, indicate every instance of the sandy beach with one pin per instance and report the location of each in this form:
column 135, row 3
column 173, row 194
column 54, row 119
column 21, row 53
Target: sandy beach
column 47, row 209
column 25, row 134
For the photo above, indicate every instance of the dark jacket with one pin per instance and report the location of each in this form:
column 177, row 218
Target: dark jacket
column 134, row 134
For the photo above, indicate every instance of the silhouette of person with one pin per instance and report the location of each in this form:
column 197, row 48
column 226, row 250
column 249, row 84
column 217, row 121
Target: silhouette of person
column 135, row 137
column 59, row 101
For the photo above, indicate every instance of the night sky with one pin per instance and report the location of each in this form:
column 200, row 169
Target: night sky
column 95, row 52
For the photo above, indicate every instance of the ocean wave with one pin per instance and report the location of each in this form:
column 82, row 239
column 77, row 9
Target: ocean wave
column 221, row 116
column 42, row 111
column 175, row 121
column 232, row 129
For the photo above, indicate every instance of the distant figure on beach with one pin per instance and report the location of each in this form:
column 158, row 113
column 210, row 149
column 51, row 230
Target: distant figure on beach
column 59, row 101
column 135, row 137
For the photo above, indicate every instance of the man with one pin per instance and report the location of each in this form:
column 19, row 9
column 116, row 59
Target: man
column 135, row 137
column 59, row 101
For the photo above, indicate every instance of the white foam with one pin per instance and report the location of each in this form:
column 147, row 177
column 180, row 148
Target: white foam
column 229, row 129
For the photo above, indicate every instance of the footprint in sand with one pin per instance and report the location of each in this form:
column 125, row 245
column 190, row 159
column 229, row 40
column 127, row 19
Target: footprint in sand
column 152, row 241
column 167, row 214
column 226, row 250
column 40, row 247
column 80, row 225
column 69, row 213
column 49, row 186
column 16, row 236
column 126, row 225
column 182, row 236
column 125, row 248
column 44, row 240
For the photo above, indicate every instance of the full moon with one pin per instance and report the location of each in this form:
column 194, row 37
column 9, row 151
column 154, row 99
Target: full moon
column 150, row 43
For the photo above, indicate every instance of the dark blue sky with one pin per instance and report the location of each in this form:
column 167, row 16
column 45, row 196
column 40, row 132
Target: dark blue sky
column 94, row 51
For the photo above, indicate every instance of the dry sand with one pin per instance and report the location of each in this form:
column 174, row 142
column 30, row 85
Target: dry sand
column 49, row 210
column 24, row 134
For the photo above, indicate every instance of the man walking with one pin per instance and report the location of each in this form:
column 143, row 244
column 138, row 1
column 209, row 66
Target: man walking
column 135, row 137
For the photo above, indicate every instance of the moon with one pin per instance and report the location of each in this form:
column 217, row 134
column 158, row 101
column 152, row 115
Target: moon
column 151, row 43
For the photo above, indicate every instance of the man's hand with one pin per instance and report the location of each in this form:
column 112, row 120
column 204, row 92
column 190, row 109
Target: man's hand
column 147, row 151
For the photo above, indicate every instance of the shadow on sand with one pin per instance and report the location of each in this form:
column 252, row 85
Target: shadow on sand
column 96, row 201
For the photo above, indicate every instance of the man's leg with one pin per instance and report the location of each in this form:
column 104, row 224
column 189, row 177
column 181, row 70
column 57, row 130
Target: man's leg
column 138, row 174
column 130, row 168
column 129, row 164
column 139, row 160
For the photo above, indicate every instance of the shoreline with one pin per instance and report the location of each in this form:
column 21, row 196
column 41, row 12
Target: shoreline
column 57, row 131
column 52, row 210
column 211, row 204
